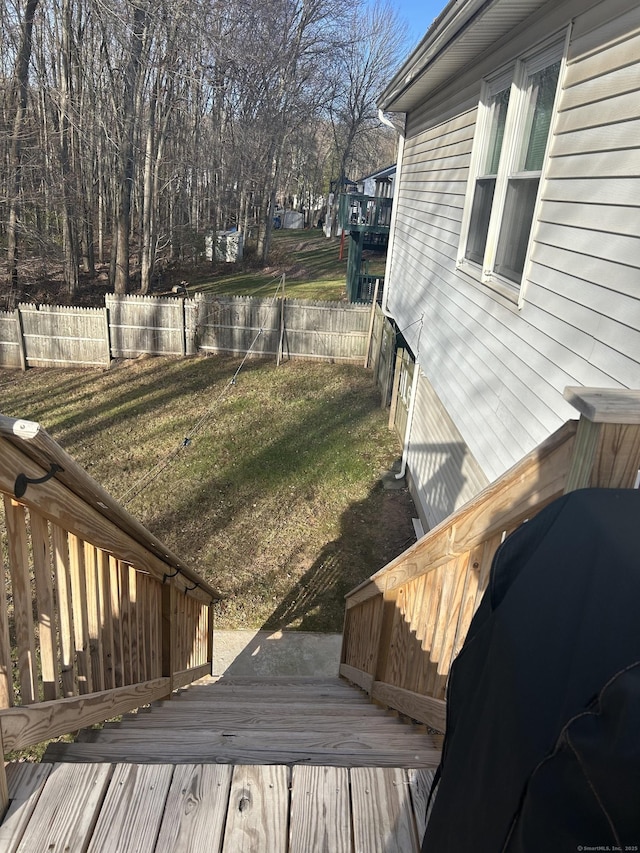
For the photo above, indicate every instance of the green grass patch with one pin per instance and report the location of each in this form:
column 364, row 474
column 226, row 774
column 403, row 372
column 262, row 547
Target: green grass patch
column 310, row 262
column 276, row 501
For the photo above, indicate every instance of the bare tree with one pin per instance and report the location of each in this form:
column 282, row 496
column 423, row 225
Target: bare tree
column 152, row 122
column 19, row 104
column 363, row 67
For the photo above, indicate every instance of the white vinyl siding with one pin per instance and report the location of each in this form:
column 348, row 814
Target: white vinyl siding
column 500, row 371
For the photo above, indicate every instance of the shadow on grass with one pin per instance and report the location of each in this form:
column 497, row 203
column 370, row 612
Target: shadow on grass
column 272, row 458
column 316, row 601
column 130, row 397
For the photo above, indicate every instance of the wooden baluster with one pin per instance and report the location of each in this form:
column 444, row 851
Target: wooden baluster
column 133, row 626
column 116, row 623
column 210, row 637
column 446, row 589
column 21, row 585
column 169, row 616
column 80, row 613
column 143, row 622
column 44, row 598
column 93, row 615
column 63, row 596
column 106, row 622
column 386, row 631
column 125, row 611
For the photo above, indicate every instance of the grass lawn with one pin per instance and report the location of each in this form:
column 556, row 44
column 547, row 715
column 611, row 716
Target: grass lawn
column 277, row 500
column 311, row 264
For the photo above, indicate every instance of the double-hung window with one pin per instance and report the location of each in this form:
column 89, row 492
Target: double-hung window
column 514, row 120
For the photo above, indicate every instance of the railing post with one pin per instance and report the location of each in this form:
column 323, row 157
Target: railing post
column 607, row 444
column 169, row 616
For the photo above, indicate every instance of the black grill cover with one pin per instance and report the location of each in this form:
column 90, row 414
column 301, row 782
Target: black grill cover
column 542, row 750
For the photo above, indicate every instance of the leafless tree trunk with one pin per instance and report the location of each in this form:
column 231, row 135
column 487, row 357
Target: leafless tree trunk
column 126, row 160
column 14, row 182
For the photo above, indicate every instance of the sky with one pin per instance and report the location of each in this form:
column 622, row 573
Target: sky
column 419, row 15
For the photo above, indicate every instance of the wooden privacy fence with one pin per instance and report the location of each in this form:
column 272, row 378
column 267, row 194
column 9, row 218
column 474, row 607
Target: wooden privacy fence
column 297, row 328
column 130, row 326
column 97, row 617
column 405, row 625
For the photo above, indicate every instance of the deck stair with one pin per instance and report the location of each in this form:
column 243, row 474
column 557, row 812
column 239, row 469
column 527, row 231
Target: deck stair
column 259, row 721
column 260, row 765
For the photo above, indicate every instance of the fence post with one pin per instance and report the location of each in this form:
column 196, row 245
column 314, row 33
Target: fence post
column 21, row 349
column 107, row 337
column 371, row 322
column 607, row 444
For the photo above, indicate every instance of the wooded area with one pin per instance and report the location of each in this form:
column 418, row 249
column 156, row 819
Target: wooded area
column 130, row 128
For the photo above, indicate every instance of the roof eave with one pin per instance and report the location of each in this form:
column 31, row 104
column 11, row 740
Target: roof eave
column 464, row 31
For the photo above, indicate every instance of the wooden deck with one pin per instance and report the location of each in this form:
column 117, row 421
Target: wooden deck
column 232, row 765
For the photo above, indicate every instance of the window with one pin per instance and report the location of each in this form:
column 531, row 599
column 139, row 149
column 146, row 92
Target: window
column 514, row 120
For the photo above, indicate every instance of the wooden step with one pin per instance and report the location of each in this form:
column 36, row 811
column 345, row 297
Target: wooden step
column 232, row 719
column 259, row 721
column 185, row 753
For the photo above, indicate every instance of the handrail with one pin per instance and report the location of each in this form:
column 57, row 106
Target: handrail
column 405, row 624
column 102, row 617
column 33, row 440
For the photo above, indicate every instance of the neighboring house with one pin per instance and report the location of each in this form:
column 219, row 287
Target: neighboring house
column 380, row 183
column 515, row 235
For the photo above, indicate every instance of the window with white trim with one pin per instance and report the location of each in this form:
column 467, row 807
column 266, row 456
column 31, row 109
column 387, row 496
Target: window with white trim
column 514, row 119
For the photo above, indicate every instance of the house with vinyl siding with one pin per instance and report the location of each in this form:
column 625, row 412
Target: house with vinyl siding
column 515, row 236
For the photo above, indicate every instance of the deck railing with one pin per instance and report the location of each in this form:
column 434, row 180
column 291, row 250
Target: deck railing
column 97, row 616
column 364, row 212
column 405, row 625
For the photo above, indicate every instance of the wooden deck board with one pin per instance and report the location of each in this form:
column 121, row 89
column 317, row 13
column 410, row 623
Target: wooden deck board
column 258, row 808
column 382, row 811
column 25, row 782
column 66, row 811
column 420, row 781
column 320, row 818
column 214, row 809
column 131, row 814
column 194, row 815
